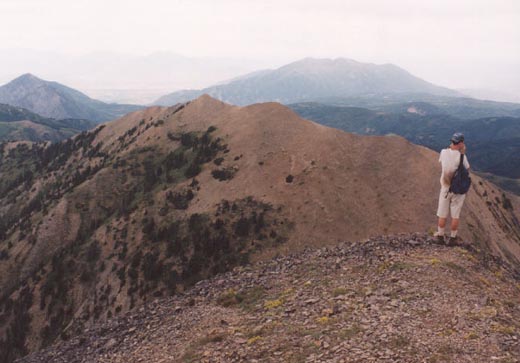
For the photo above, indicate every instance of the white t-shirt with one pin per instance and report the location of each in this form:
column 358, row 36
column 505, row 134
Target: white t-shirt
column 450, row 160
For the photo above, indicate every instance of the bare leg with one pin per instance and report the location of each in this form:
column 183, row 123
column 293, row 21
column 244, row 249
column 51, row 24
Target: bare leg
column 454, row 225
column 440, row 230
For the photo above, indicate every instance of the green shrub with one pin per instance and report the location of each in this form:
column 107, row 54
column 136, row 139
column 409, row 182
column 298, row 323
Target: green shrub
column 193, row 170
column 151, row 267
column 223, row 174
column 149, row 228
column 175, row 159
column 506, row 202
column 188, row 140
column 242, row 227
column 93, row 252
column 4, row 255
column 180, row 200
column 229, row 298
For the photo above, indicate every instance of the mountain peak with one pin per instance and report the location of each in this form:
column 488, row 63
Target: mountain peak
column 206, row 98
column 207, row 102
column 54, row 100
column 311, row 60
column 27, row 77
column 314, row 78
column 322, row 63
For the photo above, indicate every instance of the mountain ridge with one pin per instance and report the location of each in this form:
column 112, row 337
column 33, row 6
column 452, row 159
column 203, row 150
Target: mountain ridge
column 19, row 124
column 493, row 141
column 461, row 107
column 150, row 204
column 312, row 78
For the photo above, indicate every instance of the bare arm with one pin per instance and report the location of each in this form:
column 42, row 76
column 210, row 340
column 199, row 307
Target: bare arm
column 463, row 151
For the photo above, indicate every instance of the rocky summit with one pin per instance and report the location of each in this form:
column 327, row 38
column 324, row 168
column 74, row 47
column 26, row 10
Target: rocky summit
column 393, row 298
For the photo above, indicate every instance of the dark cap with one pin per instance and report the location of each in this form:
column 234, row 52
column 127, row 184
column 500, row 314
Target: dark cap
column 457, row 137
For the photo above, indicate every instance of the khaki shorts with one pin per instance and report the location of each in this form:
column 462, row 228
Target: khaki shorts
column 450, row 203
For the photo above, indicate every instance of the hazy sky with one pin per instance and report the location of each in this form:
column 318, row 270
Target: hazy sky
column 463, row 44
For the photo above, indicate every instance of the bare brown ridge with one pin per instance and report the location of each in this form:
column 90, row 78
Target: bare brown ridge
column 313, row 186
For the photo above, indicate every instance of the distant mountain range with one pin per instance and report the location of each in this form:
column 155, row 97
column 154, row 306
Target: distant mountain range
column 461, row 107
column 54, row 100
column 490, row 94
column 353, row 96
column 311, row 78
column 20, row 124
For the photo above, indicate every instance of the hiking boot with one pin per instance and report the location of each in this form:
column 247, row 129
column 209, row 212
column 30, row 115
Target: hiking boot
column 439, row 238
column 454, row 241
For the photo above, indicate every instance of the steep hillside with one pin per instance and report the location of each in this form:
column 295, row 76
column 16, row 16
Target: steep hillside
column 51, row 99
column 309, row 79
column 493, row 142
column 19, row 124
column 10, row 113
column 148, row 205
column 388, row 299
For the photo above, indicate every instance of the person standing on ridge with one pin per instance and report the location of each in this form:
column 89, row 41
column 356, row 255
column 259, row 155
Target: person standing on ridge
column 449, row 202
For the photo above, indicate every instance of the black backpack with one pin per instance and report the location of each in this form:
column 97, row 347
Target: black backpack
column 461, row 180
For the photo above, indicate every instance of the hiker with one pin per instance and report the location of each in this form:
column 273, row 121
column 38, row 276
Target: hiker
column 449, row 201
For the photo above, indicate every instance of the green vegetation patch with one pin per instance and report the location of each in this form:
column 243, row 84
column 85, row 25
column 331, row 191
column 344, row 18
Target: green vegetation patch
column 246, row 299
column 455, row 267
